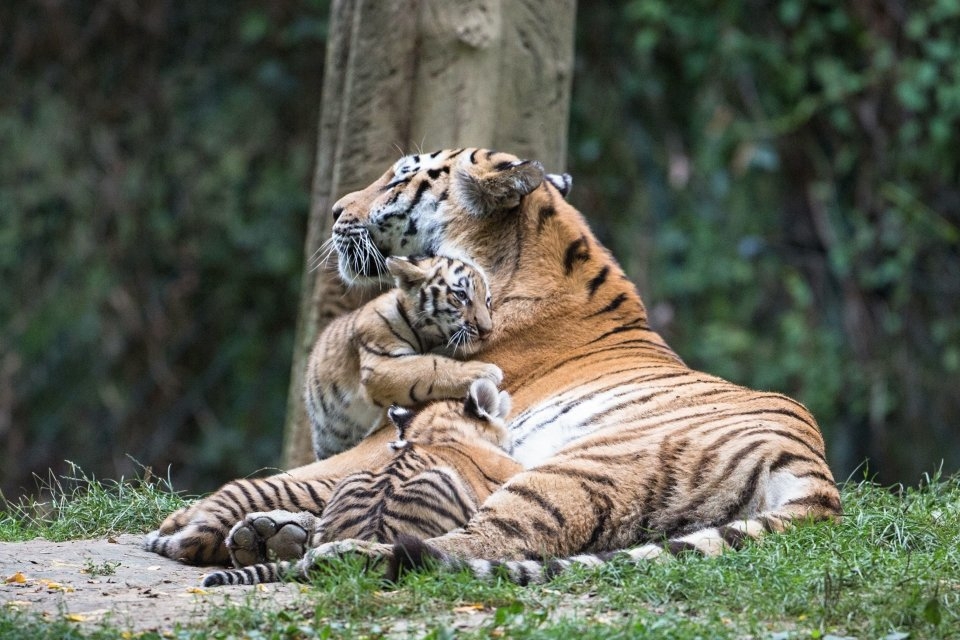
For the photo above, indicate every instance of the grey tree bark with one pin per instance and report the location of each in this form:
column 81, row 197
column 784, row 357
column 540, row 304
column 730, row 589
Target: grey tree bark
column 403, row 76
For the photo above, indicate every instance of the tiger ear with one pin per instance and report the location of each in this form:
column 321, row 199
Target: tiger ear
column 562, row 181
column 400, row 417
column 484, row 402
column 485, row 190
column 406, row 272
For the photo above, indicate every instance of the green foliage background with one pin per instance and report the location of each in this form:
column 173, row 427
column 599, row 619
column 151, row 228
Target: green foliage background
column 782, row 180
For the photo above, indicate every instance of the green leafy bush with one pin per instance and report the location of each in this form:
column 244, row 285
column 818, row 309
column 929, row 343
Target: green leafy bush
column 157, row 163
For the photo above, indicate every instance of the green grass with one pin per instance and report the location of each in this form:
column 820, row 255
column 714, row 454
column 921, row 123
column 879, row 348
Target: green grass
column 78, row 506
column 890, row 569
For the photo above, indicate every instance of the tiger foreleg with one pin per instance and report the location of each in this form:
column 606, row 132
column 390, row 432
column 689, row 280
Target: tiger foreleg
column 197, row 534
column 421, row 378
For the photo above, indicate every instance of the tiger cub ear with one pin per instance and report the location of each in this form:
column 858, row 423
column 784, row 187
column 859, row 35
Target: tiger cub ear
column 562, row 181
column 485, row 190
column 407, row 272
column 400, row 417
column 484, row 402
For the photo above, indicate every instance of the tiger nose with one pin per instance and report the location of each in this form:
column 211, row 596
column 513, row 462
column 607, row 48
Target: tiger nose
column 484, row 331
column 337, row 211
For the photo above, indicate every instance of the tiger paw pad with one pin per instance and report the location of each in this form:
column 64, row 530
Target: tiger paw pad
column 268, row 536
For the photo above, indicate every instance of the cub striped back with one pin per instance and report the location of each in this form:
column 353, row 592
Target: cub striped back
column 448, row 458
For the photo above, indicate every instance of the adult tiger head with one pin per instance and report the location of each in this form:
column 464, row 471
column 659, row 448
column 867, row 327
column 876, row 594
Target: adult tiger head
column 555, row 289
column 451, row 202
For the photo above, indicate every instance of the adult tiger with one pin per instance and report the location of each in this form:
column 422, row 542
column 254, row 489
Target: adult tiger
column 624, row 444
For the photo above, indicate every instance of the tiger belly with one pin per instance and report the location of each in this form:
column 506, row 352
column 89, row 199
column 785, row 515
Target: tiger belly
column 548, row 426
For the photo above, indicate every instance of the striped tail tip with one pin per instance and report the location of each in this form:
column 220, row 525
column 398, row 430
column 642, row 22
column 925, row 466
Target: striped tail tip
column 216, row 579
column 411, row 554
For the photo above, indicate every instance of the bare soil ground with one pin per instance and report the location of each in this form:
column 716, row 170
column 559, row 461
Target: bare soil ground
column 113, row 580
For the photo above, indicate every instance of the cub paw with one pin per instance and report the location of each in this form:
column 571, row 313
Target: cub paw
column 272, row 535
column 487, row 371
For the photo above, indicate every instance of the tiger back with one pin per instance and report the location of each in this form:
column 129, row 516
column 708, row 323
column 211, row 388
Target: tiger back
column 397, row 349
column 447, row 459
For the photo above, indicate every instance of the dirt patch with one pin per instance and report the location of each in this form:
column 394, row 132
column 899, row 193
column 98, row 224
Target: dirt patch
column 146, row 592
column 113, row 580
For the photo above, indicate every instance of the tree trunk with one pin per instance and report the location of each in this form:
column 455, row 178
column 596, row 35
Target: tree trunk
column 403, row 76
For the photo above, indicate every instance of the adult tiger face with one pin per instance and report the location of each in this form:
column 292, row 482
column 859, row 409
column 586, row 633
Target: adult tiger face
column 447, row 202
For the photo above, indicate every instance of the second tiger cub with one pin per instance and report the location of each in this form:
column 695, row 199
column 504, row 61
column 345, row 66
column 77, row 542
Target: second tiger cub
column 396, row 348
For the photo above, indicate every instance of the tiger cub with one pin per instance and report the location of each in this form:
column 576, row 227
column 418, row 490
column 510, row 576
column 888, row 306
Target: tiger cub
column 396, row 350
column 448, row 458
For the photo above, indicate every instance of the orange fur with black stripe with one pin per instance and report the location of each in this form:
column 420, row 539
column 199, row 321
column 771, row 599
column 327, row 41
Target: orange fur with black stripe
column 624, row 445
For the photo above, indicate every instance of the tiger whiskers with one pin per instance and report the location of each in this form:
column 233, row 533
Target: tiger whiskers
column 321, row 256
column 459, row 339
column 400, row 149
column 356, row 247
column 374, row 252
column 366, row 258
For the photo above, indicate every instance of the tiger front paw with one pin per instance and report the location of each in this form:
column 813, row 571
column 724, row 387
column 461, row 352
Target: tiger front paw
column 271, row 535
column 192, row 535
column 484, row 371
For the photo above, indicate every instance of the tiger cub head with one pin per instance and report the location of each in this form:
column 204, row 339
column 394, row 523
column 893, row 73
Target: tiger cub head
column 447, row 300
column 481, row 416
column 457, row 202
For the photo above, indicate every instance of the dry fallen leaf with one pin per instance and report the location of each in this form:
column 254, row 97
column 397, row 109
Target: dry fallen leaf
column 55, row 586
column 468, row 608
column 76, row 617
column 19, row 603
column 197, row 590
column 17, row 578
